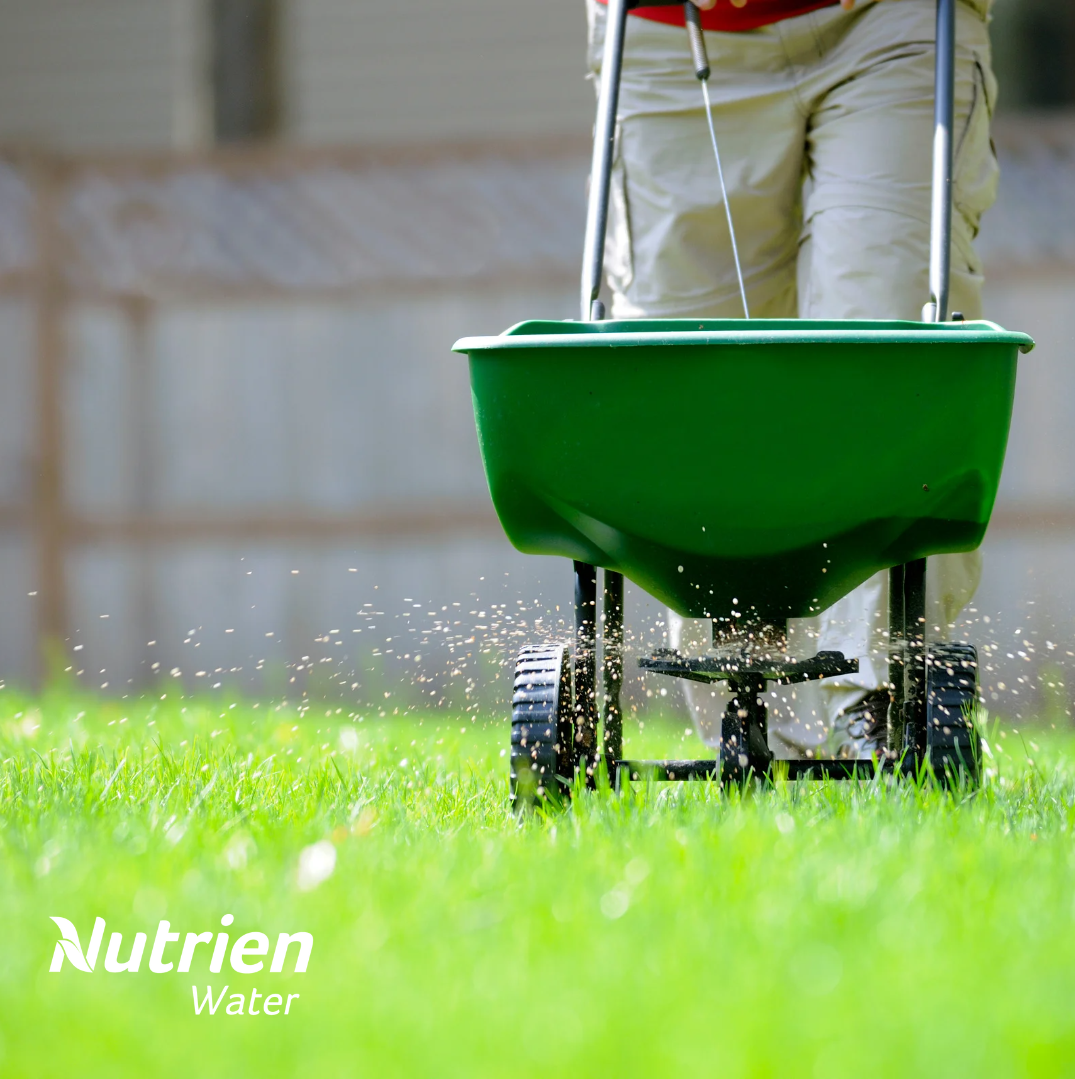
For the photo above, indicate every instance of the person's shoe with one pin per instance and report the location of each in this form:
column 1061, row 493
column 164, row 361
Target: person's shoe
column 860, row 731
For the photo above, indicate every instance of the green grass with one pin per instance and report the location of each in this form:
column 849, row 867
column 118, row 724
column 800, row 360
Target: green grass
column 810, row 929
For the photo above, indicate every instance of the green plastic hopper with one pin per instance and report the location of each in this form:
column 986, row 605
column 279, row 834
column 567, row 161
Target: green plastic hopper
column 767, row 466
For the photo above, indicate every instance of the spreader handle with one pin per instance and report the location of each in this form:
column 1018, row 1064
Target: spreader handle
column 940, row 240
column 593, row 252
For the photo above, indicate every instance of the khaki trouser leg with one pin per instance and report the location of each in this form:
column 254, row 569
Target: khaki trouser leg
column 825, row 124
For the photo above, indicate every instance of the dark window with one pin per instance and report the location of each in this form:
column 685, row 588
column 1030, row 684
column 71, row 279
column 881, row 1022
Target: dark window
column 246, row 69
column 1034, row 53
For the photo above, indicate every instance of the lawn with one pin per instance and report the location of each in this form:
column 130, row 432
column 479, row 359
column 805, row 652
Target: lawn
column 805, row 929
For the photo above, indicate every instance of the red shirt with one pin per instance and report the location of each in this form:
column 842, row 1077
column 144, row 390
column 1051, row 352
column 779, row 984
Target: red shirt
column 726, row 17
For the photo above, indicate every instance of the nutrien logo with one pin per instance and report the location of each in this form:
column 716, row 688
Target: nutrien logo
column 247, row 947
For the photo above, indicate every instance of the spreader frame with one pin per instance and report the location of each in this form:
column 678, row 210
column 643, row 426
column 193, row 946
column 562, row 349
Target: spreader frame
column 907, row 583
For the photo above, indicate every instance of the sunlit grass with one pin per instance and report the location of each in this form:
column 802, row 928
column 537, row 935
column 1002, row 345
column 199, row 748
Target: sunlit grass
column 815, row 929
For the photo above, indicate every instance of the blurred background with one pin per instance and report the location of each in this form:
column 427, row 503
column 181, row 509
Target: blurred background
column 237, row 239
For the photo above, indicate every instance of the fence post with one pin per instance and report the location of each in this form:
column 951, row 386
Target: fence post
column 49, row 515
column 138, row 312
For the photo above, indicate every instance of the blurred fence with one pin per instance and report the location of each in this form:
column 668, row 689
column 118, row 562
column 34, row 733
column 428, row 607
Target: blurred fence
column 231, row 429
column 243, row 358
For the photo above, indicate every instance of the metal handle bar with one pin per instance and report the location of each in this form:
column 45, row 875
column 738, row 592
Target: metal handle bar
column 944, row 94
column 936, row 310
column 593, row 252
column 604, row 134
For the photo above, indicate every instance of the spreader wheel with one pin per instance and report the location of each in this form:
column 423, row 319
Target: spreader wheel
column 953, row 745
column 541, row 726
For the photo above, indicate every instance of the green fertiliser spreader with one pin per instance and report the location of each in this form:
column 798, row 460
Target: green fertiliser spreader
column 624, row 467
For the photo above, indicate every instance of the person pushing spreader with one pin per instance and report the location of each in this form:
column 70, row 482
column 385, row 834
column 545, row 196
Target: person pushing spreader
column 670, row 450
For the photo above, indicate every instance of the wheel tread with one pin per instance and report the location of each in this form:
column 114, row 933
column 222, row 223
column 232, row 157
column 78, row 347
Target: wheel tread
column 541, row 725
column 952, row 742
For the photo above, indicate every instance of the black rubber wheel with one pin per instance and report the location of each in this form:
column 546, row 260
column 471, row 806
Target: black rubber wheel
column 953, row 745
column 542, row 732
